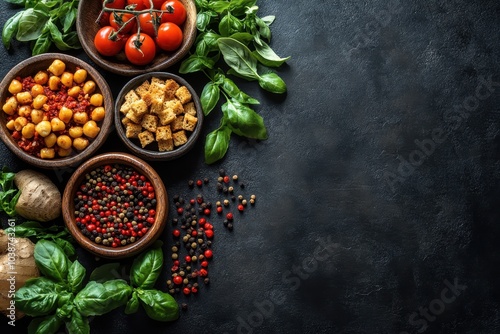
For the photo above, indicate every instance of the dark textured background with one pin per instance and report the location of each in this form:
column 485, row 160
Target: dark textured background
column 368, row 82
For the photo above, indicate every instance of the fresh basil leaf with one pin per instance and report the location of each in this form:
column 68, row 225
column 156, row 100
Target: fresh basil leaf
column 209, row 97
column 106, row 272
column 238, row 57
column 219, row 6
column 206, row 43
column 37, row 297
column 69, row 20
column 264, row 30
column 272, row 83
column 242, row 37
column 244, row 121
column 65, row 311
column 31, row 24
column 71, row 39
column 202, row 21
column 233, row 91
column 42, row 44
column 216, row 144
column 57, row 36
column 196, row 63
column 268, row 19
column 46, row 325
column 146, row 268
column 10, row 28
column 159, row 305
column 132, row 304
column 51, row 260
column 76, row 275
column 66, row 246
column 239, row 7
column 100, row 298
column 78, row 324
column 266, row 55
column 229, row 25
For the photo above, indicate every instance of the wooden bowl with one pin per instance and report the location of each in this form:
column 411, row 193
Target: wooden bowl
column 86, row 27
column 151, row 151
column 68, row 205
column 30, row 67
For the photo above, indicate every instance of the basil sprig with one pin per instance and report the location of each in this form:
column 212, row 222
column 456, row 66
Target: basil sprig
column 232, row 34
column 43, row 23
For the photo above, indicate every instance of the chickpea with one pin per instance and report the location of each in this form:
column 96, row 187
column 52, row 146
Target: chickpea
column 39, row 101
column 10, row 125
column 89, row 87
column 75, row 131
column 41, row 78
column 36, row 116
column 80, row 117
column 15, row 87
column 80, row 76
column 10, row 106
column 50, row 140
column 57, row 67
column 54, row 82
column 20, row 122
column 47, row 153
column 67, row 79
column 98, row 114
column 65, row 114
column 74, row 91
column 80, row 143
column 64, row 152
column 43, row 128
column 57, row 124
column 64, row 142
column 36, row 90
column 90, row 129
column 24, row 98
column 28, row 131
column 24, row 111
column 96, row 100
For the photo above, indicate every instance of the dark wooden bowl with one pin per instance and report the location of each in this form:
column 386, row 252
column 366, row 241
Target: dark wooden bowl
column 30, row 67
column 145, row 241
column 153, row 154
column 86, row 27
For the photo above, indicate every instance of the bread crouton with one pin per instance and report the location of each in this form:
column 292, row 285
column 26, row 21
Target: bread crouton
column 130, row 97
column 146, row 138
column 156, row 105
column 166, row 116
column 179, row 138
column 132, row 116
column 189, row 122
column 166, row 145
column 143, row 89
column 163, row 133
column 132, row 130
column 190, row 109
column 183, row 94
column 175, row 105
column 149, row 122
column 176, row 125
column 171, row 87
column 156, row 80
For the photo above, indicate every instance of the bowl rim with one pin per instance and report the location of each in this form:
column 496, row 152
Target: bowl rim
column 161, row 205
column 95, row 144
column 151, row 154
column 110, row 65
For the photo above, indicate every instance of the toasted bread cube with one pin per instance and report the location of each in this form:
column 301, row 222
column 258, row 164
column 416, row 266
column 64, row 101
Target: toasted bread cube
column 143, row 89
column 139, row 107
column 167, row 116
column 155, row 80
column 132, row 130
column 149, row 122
column 183, row 94
column 156, row 105
column 146, row 138
column 179, row 138
column 126, row 120
column 175, row 105
column 190, row 109
column 165, row 145
column 176, row 125
column 163, row 133
column 125, row 107
column 147, row 98
column 132, row 116
column 189, row 122
column 171, row 87
column 131, row 96
column 157, row 89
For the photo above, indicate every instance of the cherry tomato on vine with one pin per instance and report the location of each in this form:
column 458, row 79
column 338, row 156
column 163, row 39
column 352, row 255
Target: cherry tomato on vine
column 146, row 21
column 117, row 20
column 156, row 3
column 104, row 19
column 178, row 16
column 169, row 36
column 116, row 4
column 139, row 4
column 107, row 42
column 140, row 49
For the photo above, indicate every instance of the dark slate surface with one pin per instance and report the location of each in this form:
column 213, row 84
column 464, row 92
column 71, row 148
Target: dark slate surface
column 378, row 186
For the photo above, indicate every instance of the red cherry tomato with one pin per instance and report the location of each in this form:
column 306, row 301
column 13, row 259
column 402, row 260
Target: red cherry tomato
column 147, row 22
column 107, row 44
column 156, row 3
column 140, row 49
column 139, row 4
column 116, row 4
column 178, row 16
column 169, row 36
column 117, row 20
